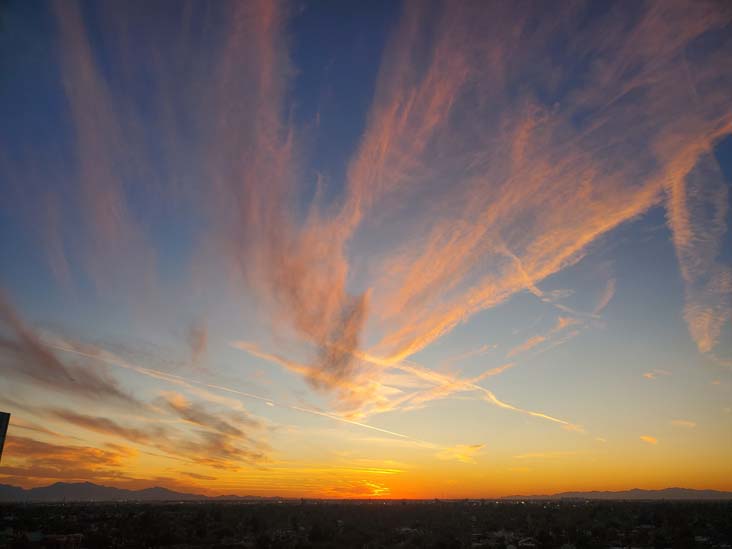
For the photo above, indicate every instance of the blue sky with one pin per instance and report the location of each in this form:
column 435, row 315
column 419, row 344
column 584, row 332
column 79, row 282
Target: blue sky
column 318, row 249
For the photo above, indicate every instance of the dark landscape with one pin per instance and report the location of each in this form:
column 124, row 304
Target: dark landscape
column 369, row 525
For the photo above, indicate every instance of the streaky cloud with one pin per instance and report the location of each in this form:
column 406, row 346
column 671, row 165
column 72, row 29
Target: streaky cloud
column 24, row 355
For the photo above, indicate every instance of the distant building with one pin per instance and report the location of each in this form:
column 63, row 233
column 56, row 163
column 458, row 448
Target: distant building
column 4, row 421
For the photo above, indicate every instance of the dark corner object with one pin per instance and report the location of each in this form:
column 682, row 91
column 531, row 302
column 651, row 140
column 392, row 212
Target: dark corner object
column 4, row 422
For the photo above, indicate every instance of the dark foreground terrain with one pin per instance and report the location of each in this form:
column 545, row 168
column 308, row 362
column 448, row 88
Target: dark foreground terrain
column 368, row 524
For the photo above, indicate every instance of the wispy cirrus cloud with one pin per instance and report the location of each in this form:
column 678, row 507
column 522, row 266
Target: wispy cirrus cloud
column 697, row 214
column 516, row 210
column 196, row 476
column 464, row 453
column 228, row 438
column 20, row 423
column 116, row 250
column 108, row 426
column 475, row 178
column 197, row 414
column 485, row 167
column 296, row 268
column 214, row 442
column 197, row 339
column 36, row 461
column 443, row 386
column 208, row 391
column 561, row 323
column 605, row 297
column 24, row 356
column 656, row 373
column 478, row 351
column 361, row 488
column 527, row 345
column 500, row 196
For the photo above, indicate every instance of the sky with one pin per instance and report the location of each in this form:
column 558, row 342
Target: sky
column 366, row 250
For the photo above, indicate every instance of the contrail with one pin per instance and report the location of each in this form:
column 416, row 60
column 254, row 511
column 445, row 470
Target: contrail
column 179, row 380
column 441, row 379
column 422, row 373
column 306, row 410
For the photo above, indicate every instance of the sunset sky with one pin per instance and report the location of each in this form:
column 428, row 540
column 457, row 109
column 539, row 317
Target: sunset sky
column 374, row 249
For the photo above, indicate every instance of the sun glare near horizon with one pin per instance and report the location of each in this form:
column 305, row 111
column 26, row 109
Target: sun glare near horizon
column 366, row 250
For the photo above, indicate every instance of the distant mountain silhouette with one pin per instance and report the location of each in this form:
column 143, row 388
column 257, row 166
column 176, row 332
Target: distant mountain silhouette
column 637, row 494
column 88, row 491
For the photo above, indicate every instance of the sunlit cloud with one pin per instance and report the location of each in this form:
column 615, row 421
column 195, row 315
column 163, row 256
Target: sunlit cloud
column 198, row 415
column 197, row 338
column 452, row 246
column 37, row 461
column 117, row 252
column 656, row 373
column 24, row 356
column 199, row 388
column 697, row 212
column 19, row 423
column 217, row 444
column 561, row 323
column 196, row 476
column 501, row 147
column 478, row 351
column 450, row 117
column 363, row 488
column 107, row 426
column 214, row 443
column 419, row 133
column 605, row 297
column 526, row 345
column 463, row 453
column 444, row 385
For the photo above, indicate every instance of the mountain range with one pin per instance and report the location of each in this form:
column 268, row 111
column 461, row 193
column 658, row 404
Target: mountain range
column 88, row 491
column 635, row 494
